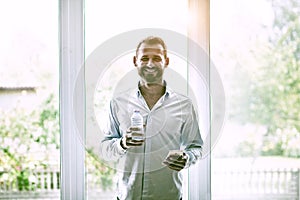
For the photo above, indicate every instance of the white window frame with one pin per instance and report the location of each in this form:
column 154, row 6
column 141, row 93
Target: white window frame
column 72, row 117
column 199, row 178
column 72, row 110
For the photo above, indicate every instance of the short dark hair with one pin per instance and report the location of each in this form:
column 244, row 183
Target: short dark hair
column 153, row 40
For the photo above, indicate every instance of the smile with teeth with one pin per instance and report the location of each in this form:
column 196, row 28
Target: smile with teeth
column 150, row 70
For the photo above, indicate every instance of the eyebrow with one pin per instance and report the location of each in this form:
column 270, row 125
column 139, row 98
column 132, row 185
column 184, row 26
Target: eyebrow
column 154, row 56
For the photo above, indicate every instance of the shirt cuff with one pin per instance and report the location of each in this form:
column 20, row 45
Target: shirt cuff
column 120, row 148
column 190, row 159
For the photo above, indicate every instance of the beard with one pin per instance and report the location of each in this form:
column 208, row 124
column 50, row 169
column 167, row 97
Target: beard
column 151, row 75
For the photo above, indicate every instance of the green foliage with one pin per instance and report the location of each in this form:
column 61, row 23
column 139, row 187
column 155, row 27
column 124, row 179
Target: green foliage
column 30, row 143
column 101, row 174
column 266, row 90
column 275, row 91
column 25, row 137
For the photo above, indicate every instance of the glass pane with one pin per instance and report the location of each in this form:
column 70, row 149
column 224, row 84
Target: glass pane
column 112, row 70
column 255, row 46
column 29, row 126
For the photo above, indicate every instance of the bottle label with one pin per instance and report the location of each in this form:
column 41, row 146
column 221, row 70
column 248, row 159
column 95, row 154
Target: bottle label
column 137, row 121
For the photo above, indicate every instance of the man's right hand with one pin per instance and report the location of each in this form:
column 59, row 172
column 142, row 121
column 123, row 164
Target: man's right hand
column 128, row 138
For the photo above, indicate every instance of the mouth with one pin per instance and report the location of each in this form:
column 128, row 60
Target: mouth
column 150, row 70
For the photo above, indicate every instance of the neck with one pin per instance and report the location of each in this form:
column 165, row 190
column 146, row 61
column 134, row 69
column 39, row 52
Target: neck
column 152, row 89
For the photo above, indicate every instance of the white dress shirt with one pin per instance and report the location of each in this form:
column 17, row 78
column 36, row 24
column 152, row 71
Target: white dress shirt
column 170, row 125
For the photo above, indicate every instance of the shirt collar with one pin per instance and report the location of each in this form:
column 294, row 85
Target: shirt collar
column 165, row 96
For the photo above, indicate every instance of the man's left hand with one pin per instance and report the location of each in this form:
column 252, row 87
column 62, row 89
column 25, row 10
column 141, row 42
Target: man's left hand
column 176, row 160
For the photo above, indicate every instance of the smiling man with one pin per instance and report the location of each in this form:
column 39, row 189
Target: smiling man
column 150, row 168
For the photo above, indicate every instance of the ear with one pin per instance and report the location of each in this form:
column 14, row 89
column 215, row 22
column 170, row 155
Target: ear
column 167, row 62
column 134, row 60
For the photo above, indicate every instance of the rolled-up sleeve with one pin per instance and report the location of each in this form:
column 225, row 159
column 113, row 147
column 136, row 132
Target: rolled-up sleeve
column 191, row 138
column 110, row 147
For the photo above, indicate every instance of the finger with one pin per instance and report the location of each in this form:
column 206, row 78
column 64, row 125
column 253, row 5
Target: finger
column 133, row 145
column 182, row 157
column 173, row 157
column 176, row 159
column 128, row 130
column 177, row 163
column 139, row 142
column 174, row 166
column 137, row 134
column 128, row 136
column 135, row 142
column 134, row 129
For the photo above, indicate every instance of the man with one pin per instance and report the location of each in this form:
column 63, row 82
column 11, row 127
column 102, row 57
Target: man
column 150, row 168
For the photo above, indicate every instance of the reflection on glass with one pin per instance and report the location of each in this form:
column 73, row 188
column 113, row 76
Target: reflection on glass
column 29, row 126
column 254, row 46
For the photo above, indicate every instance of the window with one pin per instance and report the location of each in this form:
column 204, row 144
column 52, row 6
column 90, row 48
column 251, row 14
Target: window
column 29, row 119
column 95, row 34
column 118, row 72
column 253, row 46
column 255, row 156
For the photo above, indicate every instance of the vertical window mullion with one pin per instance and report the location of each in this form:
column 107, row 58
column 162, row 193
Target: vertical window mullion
column 72, row 109
column 198, row 30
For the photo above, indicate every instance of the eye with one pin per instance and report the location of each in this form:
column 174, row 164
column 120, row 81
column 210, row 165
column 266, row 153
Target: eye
column 144, row 59
column 157, row 59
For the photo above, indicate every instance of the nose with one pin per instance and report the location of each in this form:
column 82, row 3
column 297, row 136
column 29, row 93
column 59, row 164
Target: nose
column 150, row 63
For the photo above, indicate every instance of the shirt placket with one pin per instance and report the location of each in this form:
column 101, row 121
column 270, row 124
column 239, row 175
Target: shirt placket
column 147, row 185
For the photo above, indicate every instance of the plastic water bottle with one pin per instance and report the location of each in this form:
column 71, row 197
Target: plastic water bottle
column 137, row 122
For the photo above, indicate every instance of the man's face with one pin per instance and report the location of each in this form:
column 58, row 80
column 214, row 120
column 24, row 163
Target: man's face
column 151, row 62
